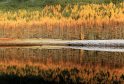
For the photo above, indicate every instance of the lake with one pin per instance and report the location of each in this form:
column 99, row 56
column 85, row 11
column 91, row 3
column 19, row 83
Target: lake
column 112, row 58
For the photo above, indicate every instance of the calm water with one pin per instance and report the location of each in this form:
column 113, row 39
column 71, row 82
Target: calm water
column 60, row 54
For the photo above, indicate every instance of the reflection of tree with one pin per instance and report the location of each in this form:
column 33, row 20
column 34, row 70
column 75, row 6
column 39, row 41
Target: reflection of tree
column 58, row 56
column 109, row 59
column 81, row 55
column 43, row 56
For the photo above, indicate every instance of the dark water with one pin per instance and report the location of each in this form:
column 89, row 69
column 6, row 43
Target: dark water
column 60, row 54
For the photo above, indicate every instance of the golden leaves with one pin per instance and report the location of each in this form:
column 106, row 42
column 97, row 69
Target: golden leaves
column 87, row 12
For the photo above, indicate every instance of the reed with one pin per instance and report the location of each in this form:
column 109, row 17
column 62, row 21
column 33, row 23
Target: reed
column 89, row 21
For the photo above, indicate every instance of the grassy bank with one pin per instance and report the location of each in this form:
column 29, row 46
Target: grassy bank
column 76, row 20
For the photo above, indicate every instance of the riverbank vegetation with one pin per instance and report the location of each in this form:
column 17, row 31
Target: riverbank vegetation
column 91, row 13
column 72, row 20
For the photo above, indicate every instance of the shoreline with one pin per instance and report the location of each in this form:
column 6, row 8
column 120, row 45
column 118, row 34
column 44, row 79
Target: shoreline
column 59, row 42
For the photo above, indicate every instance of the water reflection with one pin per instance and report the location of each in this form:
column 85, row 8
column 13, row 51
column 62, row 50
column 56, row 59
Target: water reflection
column 61, row 54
